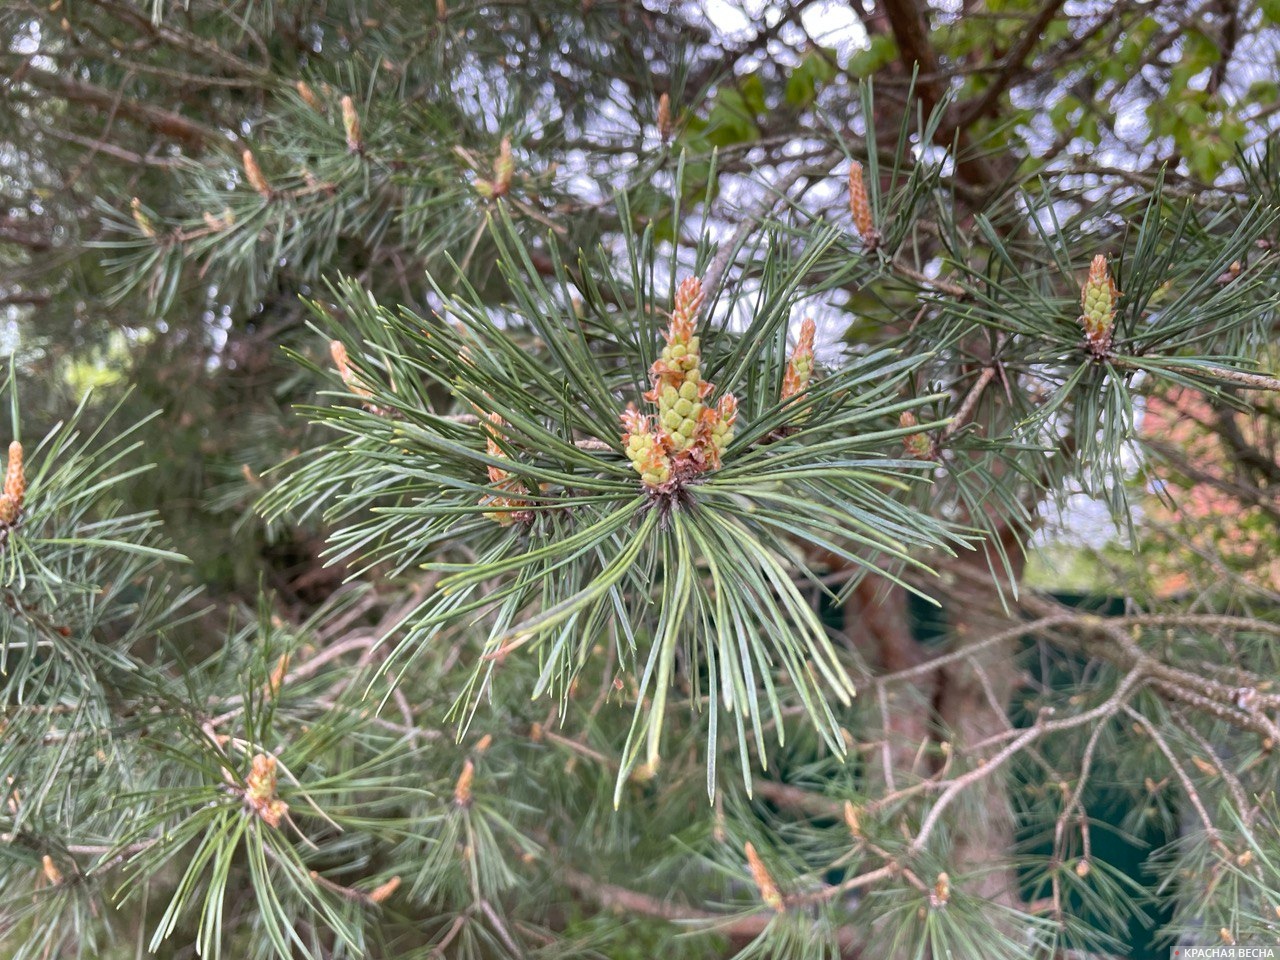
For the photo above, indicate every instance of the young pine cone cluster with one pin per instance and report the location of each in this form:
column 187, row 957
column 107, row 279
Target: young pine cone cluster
column 686, row 436
column 1098, row 297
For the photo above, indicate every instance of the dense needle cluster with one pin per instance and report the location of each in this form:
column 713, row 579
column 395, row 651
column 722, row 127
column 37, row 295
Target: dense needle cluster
column 687, row 436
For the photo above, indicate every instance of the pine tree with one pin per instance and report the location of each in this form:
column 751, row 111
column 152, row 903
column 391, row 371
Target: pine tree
column 475, row 474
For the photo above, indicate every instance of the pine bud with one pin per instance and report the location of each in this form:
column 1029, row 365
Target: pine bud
column 253, row 173
column 309, row 96
column 852, row 820
column 800, row 367
column 860, row 206
column 664, row 117
column 941, row 894
column 769, row 892
column 501, row 478
column 504, row 168
column 1098, row 298
column 1225, row 935
column 15, row 481
column 645, row 772
column 51, row 871
column 462, row 794
column 276, row 681
column 493, row 446
column 381, row 893
column 1082, row 868
column 220, row 223
column 341, row 361
column 15, row 487
column 351, row 125
column 483, row 744
column 919, row 445
column 260, row 790
column 141, row 219
column 1204, row 766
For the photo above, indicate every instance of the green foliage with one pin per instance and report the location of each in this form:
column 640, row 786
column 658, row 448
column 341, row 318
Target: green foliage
column 445, row 676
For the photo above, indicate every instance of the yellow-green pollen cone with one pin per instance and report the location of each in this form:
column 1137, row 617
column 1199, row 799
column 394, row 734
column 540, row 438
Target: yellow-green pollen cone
column 1098, row 297
column 686, row 436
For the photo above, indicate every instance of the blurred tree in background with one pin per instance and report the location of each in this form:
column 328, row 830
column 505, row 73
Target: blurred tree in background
column 561, row 414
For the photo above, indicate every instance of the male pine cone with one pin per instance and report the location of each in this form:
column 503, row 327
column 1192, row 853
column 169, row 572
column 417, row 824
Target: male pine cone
column 687, row 436
column 1098, row 299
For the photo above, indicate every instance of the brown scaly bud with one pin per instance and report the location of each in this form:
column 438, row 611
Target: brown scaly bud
column 51, row 871
column 664, row 117
column 483, row 744
column 645, row 772
column 15, row 487
column 1226, row 937
column 141, row 219
column 253, row 173
column 800, row 367
column 1082, row 868
column 219, row 223
column 852, row 820
column 504, row 168
column 769, row 892
column 493, row 446
column 1098, row 298
column 462, row 794
column 308, row 96
column 382, row 892
column 860, row 207
column 276, row 681
column 15, row 480
column 1204, row 766
column 941, row 894
column 442, row 11
column 919, row 445
column 501, row 478
column 351, row 125
column 342, row 362
column 260, row 790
